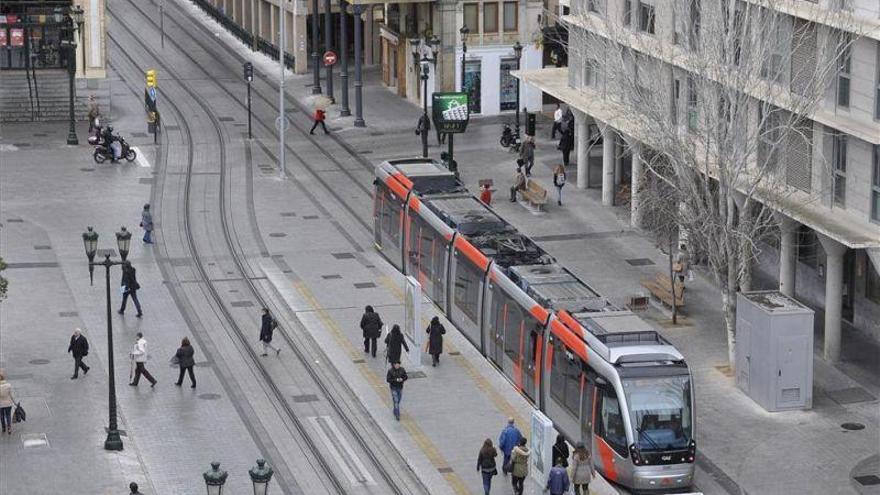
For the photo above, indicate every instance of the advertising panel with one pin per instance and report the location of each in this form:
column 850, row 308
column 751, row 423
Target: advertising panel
column 450, row 111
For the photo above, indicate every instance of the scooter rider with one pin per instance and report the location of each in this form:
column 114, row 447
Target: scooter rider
column 110, row 141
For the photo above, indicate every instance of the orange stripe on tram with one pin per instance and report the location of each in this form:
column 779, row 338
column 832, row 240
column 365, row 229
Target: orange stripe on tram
column 517, row 371
column 539, row 348
column 403, row 179
column 472, row 253
column 539, row 313
column 607, row 456
column 397, row 188
column 570, row 340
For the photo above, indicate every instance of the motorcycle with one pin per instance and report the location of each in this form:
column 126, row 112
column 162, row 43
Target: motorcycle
column 104, row 152
column 510, row 138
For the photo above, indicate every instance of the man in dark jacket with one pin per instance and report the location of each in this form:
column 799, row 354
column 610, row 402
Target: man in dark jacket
column 130, row 287
column 267, row 328
column 395, row 378
column 371, row 325
column 393, row 342
column 566, row 144
column 79, row 346
column 436, row 330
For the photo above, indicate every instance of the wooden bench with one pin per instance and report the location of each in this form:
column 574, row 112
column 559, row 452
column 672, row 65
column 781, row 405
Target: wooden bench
column 662, row 290
column 535, row 194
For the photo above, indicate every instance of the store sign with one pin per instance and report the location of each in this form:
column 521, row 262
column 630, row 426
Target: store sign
column 450, row 111
column 17, row 35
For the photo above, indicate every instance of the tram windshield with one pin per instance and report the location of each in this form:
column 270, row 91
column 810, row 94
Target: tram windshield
column 660, row 411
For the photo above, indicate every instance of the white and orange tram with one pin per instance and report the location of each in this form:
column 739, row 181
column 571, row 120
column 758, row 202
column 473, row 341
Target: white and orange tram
column 603, row 375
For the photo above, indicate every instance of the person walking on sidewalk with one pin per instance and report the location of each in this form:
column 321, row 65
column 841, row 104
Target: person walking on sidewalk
column 559, row 182
column 147, row 224
column 519, row 182
column 557, row 481
column 267, row 328
column 7, row 401
column 79, row 346
column 509, row 438
column 186, row 361
column 393, row 343
column 566, row 143
column 557, row 122
column 94, row 112
column 527, row 154
column 320, row 116
column 486, row 194
column 582, row 470
column 519, row 466
column 133, row 487
column 486, row 464
column 130, row 287
column 139, row 356
column 395, row 377
column 371, row 326
column 435, row 332
column 560, row 450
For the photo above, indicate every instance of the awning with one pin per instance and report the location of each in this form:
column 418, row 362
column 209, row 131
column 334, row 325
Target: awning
column 839, row 224
column 373, row 2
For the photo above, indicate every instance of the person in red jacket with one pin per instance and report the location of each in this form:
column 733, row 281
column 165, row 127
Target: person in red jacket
column 486, row 194
column 320, row 115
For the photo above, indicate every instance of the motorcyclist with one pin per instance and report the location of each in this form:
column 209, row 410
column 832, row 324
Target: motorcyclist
column 110, row 141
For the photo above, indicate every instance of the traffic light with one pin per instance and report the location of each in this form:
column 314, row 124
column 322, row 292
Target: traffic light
column 151, row 78
column 530, row 124
column 248, row 71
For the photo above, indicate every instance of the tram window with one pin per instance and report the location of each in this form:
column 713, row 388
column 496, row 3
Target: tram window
column 512, row 330
column 557, row 375
column 565, row 381
column 467, row 289
column 609, row 424
column 391, row 218
column 427, row 251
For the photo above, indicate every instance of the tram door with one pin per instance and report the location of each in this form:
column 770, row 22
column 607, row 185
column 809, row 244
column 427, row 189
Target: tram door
column 496, row 332
column 586, row 419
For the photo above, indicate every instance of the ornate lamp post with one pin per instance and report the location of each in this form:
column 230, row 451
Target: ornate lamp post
column 78, row 15
column 260, row 476
column 434, row 43
column 517, row 50
column 215, row 479
column 464, row 34
column 90, row 243
column 71, row 24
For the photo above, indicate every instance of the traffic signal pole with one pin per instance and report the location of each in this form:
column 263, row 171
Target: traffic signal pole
column 249, row 76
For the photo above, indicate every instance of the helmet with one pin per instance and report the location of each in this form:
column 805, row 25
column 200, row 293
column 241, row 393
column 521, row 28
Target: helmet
column 109, row 128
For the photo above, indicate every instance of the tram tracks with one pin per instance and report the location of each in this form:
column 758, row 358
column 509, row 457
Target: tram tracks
column 238, row 259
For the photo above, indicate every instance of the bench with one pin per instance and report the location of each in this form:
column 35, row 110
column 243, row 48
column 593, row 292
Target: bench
column 662, row 290
column 535, row 194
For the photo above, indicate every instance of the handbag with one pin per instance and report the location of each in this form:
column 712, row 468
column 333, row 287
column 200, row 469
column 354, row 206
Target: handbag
column 19, row 415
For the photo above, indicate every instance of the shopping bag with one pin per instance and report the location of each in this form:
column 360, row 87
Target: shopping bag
column 19, row 415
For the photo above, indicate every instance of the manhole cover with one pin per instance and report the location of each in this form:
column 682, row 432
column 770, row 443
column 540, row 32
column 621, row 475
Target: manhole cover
column 39, row 361
column 852, row 426
column 417, row 374
column 68, row 314
column 209, row 396
column 359, row 361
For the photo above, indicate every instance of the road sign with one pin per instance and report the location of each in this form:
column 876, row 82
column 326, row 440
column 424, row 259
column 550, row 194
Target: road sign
column 450, row 112
column 153, row 94
column 329, row 58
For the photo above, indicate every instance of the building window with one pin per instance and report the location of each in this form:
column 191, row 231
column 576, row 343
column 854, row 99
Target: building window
column 843, row 71
column 838, row 162
column 596, row 6
column 646, row 18
column 511, row 17
column 694, row 35
column 770, row 124
column 693, row 115
column 472, row 16
column 507, row 96
column 490, row 17
column 677, row 35
column 591, row 72
column 875, row 186
column 676, row 101
column 772, row 68
column 627, row 12
column 872, row 282
column 807, row 243
column 877, row 88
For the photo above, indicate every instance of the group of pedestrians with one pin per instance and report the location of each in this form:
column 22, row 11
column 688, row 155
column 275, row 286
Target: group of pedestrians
column 565, row 474
column 563, row 122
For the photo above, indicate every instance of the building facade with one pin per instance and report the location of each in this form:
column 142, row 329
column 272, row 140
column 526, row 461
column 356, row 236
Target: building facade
column 828, row 250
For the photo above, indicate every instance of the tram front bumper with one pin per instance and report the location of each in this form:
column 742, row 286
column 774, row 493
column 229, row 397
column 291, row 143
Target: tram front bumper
column 665, row 479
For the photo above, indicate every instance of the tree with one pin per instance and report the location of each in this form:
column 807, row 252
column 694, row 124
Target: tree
column 718, row 97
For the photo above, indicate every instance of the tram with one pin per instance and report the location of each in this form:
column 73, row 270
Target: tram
column 602, row 374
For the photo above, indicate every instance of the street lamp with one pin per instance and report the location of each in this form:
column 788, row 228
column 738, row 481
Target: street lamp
column 464, row 34
column 78, row 15
column 90, row 243
column 517, row 50
column 260, row 477
column 70, row 45
column 215, row 479
column 423, row 63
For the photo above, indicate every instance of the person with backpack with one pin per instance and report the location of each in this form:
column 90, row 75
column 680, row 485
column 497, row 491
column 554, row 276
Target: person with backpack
column 486, row 464
column 582, row 470
column 267, row 328
column 559, row 182
column 320, row 115
column 371, row 326
column 393, row 344
column 519, row 466
column 435, row 332
column 79, row 346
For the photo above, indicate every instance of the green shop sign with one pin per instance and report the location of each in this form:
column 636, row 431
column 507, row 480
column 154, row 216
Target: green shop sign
column 450, row 112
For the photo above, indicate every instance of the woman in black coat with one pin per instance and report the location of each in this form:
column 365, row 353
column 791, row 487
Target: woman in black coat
column 560, row 451
column 130, row 287
column 435, row 340
column 185, row 359
column 371, row 325
column 393, row 342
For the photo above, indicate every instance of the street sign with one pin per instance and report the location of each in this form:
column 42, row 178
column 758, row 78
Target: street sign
column 153, row 93
column 450, row 112
column 329, row 58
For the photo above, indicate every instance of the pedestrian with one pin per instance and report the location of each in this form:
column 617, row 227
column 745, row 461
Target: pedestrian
column 267, row 328
column 486, row 464
column 557, row 121
column 568, row 120
column 147, row 224
column 393, row 342
column 557, row 481
column 519, row 466
column 371, row 326
column 139, row 356
column 519, row 182
column 566, row 143
column 508, row 439
column 134, row 489
column 560, row 450
column 320, row 115
column 94, row 112
column 79, row 346
column 582, row 470
column 395, row 378
column 130, row 287
column 435, row 332
column 486, row 194
column 527, row 154
column 7, row 400
column 682, row 263
column 186, row 361
column 559, row 182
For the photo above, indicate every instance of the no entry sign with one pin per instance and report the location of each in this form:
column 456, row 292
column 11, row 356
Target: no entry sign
column 329, row 58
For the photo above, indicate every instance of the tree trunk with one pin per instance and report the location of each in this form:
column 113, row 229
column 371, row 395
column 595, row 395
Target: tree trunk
column 728, row 306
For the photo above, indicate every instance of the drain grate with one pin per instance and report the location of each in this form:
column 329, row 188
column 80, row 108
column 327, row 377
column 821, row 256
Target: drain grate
column 209, row 396
column 42, row 247
column 310, row 217
column 277, row 234
column 39, row 361
column 299, row 399
column 640, row 262
column 445, row 470
column 343, row 256
column 226, row 119
column 172, row 127
column 416, row 374
column 852, row 426
column 15, row 220
column 868, row 480
column 139, row 134
column 455, row 353
column 288, row 213
column 850, row 395
column 86, row 169
column 365, row 152
column 364, row 285
column 358, row 361
column 68, row 314
column 241, row 304
column 331, row 277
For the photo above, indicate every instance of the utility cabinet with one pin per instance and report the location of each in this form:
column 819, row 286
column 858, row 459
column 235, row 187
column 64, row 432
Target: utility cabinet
column 774, row 350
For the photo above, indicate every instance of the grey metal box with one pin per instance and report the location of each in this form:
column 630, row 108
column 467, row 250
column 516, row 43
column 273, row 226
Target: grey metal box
column 774, row 350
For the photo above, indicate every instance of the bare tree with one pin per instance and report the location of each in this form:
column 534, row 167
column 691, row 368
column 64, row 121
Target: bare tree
column 719, row 96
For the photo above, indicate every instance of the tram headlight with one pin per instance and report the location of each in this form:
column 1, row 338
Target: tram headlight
column 692, row 451
column 634, row 455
